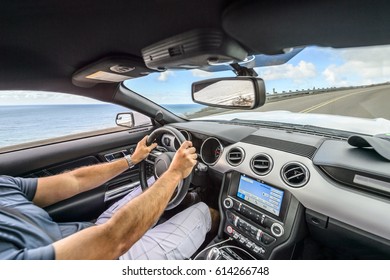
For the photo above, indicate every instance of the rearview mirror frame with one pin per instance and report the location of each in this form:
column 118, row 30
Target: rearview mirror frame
column 253, row 99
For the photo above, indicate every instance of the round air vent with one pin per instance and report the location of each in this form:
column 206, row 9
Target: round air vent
column 261, row 164
column 295, row 174
column 235, row 156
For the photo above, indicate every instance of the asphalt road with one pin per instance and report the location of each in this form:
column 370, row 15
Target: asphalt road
column 370, row 102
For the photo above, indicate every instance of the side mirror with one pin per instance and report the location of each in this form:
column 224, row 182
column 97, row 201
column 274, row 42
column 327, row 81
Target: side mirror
column 232, row 93
column 125, row 119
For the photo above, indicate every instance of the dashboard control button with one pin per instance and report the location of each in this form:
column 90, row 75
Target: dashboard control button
column 266, row 239
column 243, row 209
column 249, row 244
column 228, row 203
column 258, row 249
column 267, row 222
column 253, row 231
column 259, row 234
column 258, row 218
column 277, row 229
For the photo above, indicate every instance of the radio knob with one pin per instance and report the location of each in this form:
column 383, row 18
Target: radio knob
column 228, row 203
column 277, row 229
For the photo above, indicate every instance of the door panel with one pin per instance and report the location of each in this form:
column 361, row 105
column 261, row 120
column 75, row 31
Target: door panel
column 57, row 158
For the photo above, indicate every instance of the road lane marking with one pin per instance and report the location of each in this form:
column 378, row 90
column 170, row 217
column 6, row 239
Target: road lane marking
column 315, row 107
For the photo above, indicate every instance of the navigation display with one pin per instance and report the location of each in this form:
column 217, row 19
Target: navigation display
column 260, row 194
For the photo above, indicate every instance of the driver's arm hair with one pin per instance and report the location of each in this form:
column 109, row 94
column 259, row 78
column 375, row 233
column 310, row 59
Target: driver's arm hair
column 117, row 235
column 59, row 187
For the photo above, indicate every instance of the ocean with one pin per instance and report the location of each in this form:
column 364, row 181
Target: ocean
column 27, row 123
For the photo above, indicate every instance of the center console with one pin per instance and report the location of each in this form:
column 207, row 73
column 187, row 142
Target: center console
column 258, row 217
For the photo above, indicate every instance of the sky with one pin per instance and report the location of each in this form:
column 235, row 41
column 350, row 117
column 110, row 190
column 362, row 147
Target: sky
column 313, row 67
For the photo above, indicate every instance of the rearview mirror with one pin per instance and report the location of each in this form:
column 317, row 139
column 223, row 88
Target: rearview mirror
column 232, row 93
column 125, row 119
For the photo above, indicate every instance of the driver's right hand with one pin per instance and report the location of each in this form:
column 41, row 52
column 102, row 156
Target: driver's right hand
column 184, row 160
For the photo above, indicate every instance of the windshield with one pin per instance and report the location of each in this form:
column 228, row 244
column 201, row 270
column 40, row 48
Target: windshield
column 317, row 82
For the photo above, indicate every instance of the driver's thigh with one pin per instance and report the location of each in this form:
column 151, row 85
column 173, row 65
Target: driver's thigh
column 177, row 238
column 106, row 215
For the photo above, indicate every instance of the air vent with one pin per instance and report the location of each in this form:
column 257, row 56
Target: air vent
column 261, row 164
column 235, row 156
column 295, row 174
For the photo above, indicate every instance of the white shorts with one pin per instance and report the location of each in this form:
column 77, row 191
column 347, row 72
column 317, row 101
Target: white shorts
column 176, row 239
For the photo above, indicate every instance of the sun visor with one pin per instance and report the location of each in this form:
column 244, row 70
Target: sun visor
column 114, row 69
column 193, row 49
column 269, row 27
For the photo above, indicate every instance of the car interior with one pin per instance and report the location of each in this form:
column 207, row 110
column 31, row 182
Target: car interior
column 283, row 192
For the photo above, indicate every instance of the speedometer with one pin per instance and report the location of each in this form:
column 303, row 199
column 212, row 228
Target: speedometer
column 211, row 150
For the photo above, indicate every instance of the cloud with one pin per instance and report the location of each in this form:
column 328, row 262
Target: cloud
column 200, row 73
column 361, row 66
column 335, row 75
column 300, row 71
column 163, row 77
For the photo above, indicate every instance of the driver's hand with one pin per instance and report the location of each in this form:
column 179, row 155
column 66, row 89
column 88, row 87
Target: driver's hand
column 142, row 150
column 184, row 160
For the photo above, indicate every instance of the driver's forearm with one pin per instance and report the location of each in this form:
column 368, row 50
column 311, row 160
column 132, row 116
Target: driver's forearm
column 114, row 238
column 96, row 175
column 59, row 187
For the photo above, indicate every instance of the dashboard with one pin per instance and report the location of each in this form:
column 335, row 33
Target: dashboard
column 277, row 182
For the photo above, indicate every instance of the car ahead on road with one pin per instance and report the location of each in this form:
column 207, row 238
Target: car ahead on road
column 287, row 105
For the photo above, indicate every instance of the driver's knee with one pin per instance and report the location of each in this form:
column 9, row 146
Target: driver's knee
column 215, row 219
column 209, row 215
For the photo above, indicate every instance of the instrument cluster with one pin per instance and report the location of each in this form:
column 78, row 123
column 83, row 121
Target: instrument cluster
column 209, row 148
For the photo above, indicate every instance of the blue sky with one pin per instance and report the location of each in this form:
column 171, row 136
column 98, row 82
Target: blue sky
column 313, row 67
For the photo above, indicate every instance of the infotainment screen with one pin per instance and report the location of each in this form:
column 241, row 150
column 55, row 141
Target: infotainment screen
column 260, row 194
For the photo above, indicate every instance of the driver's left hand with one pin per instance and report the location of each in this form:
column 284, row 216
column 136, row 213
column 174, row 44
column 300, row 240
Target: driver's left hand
column 142, row 150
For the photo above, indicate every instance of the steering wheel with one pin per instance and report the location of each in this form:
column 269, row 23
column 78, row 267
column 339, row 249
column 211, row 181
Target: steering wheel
column 161, row 164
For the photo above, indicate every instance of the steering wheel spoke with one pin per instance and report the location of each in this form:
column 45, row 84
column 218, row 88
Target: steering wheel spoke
column 153, row 155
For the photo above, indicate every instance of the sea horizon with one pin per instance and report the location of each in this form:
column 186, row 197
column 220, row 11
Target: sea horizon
column 34, row 122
